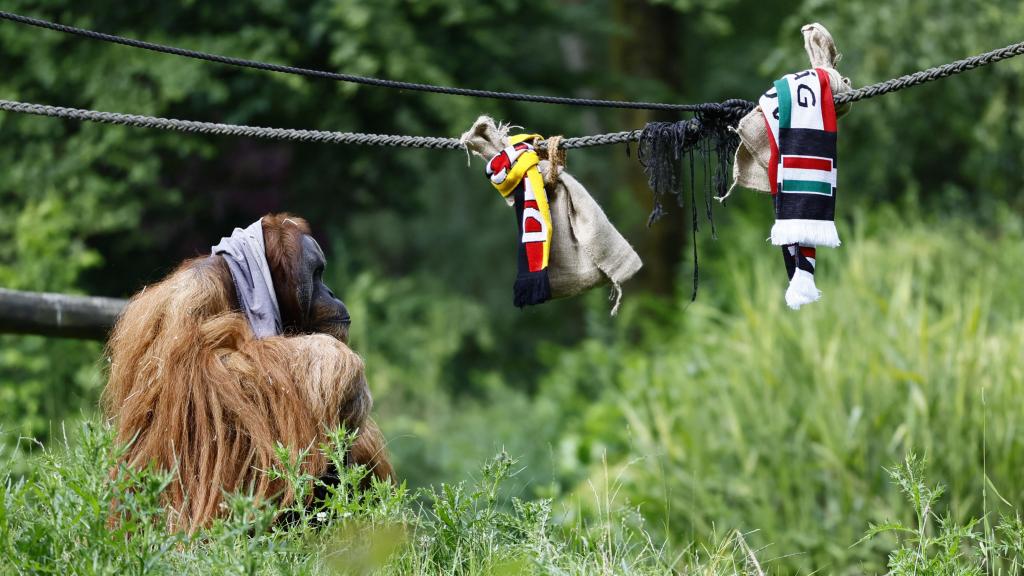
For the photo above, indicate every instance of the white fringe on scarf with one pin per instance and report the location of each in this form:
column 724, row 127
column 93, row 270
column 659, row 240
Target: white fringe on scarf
column 806, row 232
column 802, row 290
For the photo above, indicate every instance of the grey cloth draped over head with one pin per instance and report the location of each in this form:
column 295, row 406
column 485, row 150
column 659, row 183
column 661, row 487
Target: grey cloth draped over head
column 246, row 255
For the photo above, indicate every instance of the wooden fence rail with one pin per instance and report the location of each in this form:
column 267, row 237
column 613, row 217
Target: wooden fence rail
column 58, row 315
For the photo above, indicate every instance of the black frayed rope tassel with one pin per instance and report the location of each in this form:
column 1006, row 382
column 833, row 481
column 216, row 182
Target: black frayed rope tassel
column 667, row 150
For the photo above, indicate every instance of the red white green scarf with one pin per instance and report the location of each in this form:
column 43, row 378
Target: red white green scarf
column 513, row 171
column 802, row 171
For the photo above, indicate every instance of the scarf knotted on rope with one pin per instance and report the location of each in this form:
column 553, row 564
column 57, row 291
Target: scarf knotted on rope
column 586, row 249
column 802, row 172
column 246, row 256
column 513, row 171
column 750, row 165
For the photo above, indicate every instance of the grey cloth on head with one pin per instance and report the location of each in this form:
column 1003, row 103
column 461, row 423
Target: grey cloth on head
column 246, row 255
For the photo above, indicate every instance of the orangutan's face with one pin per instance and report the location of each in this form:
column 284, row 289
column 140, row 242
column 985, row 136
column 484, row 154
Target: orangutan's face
column 320, row 311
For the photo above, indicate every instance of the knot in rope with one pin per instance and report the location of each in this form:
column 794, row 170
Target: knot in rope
column 556, row 159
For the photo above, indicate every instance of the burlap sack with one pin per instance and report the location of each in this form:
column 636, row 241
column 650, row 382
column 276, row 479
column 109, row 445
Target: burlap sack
column 586, row 249
column 750, row 165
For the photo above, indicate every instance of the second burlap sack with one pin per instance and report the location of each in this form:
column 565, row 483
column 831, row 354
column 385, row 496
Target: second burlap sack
column 750, row 166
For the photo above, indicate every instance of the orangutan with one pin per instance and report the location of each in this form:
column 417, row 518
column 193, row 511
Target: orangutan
column 208, row 373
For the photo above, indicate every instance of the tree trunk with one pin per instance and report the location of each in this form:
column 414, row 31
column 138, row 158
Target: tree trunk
column 650, row 49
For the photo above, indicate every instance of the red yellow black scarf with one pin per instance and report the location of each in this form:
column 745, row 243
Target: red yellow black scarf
column 513, row 171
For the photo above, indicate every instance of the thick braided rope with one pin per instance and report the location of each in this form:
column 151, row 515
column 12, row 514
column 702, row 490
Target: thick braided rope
column 931, row 74
column 283, row 133
column 381, row 82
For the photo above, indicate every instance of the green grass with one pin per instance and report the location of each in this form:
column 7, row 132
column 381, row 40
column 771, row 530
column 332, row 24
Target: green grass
column 79, row 512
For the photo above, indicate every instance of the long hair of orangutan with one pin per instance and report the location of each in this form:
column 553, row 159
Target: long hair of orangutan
column 192, row 390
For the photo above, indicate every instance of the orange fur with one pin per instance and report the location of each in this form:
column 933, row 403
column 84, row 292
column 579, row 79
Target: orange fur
column 191, row 389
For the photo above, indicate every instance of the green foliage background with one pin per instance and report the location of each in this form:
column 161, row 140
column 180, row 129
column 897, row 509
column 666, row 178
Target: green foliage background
column 730, row 413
